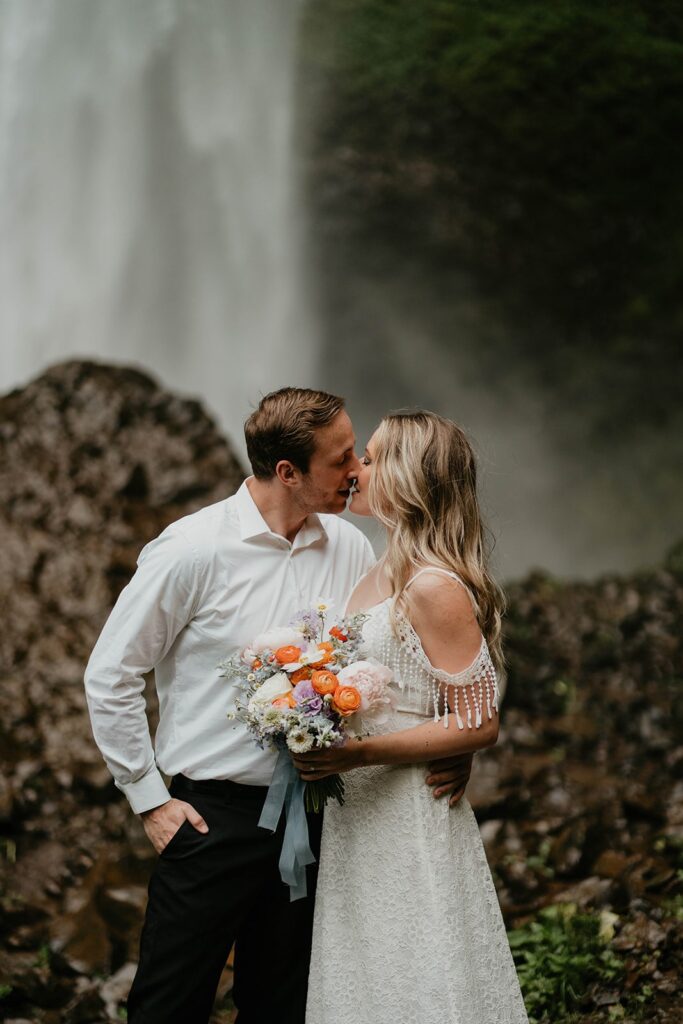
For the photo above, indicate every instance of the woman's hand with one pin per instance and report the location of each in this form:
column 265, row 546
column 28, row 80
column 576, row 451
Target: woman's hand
column 319, row 763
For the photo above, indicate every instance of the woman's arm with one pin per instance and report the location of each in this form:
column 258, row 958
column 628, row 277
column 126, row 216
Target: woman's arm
column 426, row 742
column 441, row 613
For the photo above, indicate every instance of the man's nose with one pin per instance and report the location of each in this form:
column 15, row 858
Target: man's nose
column 354, row 468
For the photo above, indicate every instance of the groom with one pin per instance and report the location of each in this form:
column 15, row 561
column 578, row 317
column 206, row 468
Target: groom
column 208, row 584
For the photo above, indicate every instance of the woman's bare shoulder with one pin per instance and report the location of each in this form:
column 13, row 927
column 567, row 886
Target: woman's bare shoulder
column 441, row 613
column 441, row 598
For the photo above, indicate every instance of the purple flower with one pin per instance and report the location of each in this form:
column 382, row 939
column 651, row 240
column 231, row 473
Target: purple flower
column 304, row 691
column 310, row 702
column 313, row 706
column 308, row 621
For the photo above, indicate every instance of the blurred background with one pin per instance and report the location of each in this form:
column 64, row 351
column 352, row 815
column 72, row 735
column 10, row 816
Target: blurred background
column 451, row 203
column 469, row 205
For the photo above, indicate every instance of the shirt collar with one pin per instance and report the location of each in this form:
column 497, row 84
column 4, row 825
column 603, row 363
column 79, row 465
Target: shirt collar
column 252, row 523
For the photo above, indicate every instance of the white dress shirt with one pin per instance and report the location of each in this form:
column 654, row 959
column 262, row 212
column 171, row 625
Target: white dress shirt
column 204, row 588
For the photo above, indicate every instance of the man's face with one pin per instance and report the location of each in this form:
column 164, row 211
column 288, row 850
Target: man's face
column 333, row 467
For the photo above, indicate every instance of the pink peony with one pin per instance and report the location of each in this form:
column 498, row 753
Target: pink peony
column 371, row 679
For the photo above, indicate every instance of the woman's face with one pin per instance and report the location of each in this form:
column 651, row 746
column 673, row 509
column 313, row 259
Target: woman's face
column 359, row 498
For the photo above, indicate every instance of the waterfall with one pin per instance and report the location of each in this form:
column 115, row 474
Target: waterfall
column 147, row 197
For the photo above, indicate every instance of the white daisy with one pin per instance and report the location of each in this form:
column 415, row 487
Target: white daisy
column 299, row 741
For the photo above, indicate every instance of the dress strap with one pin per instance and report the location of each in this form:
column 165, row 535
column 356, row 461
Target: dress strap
column 446, row 572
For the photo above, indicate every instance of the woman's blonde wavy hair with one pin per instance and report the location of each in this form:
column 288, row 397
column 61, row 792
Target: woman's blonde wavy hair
column 424, row 490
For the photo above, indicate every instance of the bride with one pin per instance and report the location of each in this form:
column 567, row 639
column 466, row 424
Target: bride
column 407, row 921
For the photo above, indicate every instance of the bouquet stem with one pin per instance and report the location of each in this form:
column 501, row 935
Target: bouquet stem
column 319, row 792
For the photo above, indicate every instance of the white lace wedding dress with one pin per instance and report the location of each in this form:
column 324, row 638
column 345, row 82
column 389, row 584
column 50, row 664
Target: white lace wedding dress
column 407, row 922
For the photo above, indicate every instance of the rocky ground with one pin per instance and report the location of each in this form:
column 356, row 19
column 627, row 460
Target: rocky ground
column 95, row 461
column 580, row 803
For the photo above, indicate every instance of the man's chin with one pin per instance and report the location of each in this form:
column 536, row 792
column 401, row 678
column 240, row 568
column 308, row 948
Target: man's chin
column 338, row 505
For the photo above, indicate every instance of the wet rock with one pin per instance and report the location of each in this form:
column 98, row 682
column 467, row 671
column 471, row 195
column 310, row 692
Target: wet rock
column 82, row 940
column 32, row 981
column 641, row 933
column 581, row 800
column 611, row 864
column 225, row 985
column 589, row 892
column 114, row 991
column 558, row 801
column 96, row 781
column 490, row 831
column 123, row 910
column 87, row 1005
column 94, row 462
column 567, row 848
column 7, row 801
column 674, row 811
column 484, row 788
column 606, row 997
column 16, row 912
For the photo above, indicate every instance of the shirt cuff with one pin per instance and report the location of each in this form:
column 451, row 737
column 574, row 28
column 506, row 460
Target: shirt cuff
column 148, row 792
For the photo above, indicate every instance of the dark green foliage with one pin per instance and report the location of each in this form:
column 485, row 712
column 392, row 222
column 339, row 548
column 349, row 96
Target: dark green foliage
column 559, row 956
column 539, row 146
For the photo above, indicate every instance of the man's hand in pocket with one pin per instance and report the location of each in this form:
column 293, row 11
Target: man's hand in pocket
column 161, row 823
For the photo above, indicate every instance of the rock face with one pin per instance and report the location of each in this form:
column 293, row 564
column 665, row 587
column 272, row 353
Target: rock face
column 96, row 460
column 581, row 801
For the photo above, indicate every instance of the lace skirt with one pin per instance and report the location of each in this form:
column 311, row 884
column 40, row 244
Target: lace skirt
column 407, row 921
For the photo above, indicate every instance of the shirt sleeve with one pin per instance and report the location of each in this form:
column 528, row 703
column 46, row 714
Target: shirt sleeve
column 148, row 616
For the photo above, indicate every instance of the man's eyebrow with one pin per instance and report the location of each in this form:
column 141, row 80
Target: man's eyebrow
column 348, row 449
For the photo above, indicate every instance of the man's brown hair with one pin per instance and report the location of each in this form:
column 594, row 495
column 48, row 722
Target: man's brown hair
column 284, row 426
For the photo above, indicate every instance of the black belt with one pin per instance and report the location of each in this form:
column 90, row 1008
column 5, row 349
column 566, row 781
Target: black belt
column 220, row 787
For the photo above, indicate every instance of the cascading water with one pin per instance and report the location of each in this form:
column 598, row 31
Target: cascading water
column 147, row 200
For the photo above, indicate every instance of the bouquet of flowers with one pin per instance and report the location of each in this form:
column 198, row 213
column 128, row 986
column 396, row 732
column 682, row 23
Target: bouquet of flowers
column 301, row 691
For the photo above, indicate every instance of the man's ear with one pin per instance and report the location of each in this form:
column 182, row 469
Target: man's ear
column 287, row 473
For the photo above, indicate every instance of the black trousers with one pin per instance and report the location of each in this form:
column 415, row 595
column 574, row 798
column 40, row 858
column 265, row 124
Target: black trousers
column 208, row 891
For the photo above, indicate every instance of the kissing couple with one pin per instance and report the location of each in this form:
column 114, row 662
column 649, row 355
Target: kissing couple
column 402, row 922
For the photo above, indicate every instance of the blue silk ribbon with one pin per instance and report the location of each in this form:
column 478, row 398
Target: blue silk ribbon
column 287, row 790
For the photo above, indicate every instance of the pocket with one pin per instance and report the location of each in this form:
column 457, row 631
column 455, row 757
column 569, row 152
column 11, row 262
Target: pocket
column 174, row 838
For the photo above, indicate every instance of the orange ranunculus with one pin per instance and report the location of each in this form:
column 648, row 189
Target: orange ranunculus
column 257, row 663
column 337, row 634
column 300, row 675
column 286, row 655
column 346, row 700
column 324, row 682
column 326, row 650
column 287, row 701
